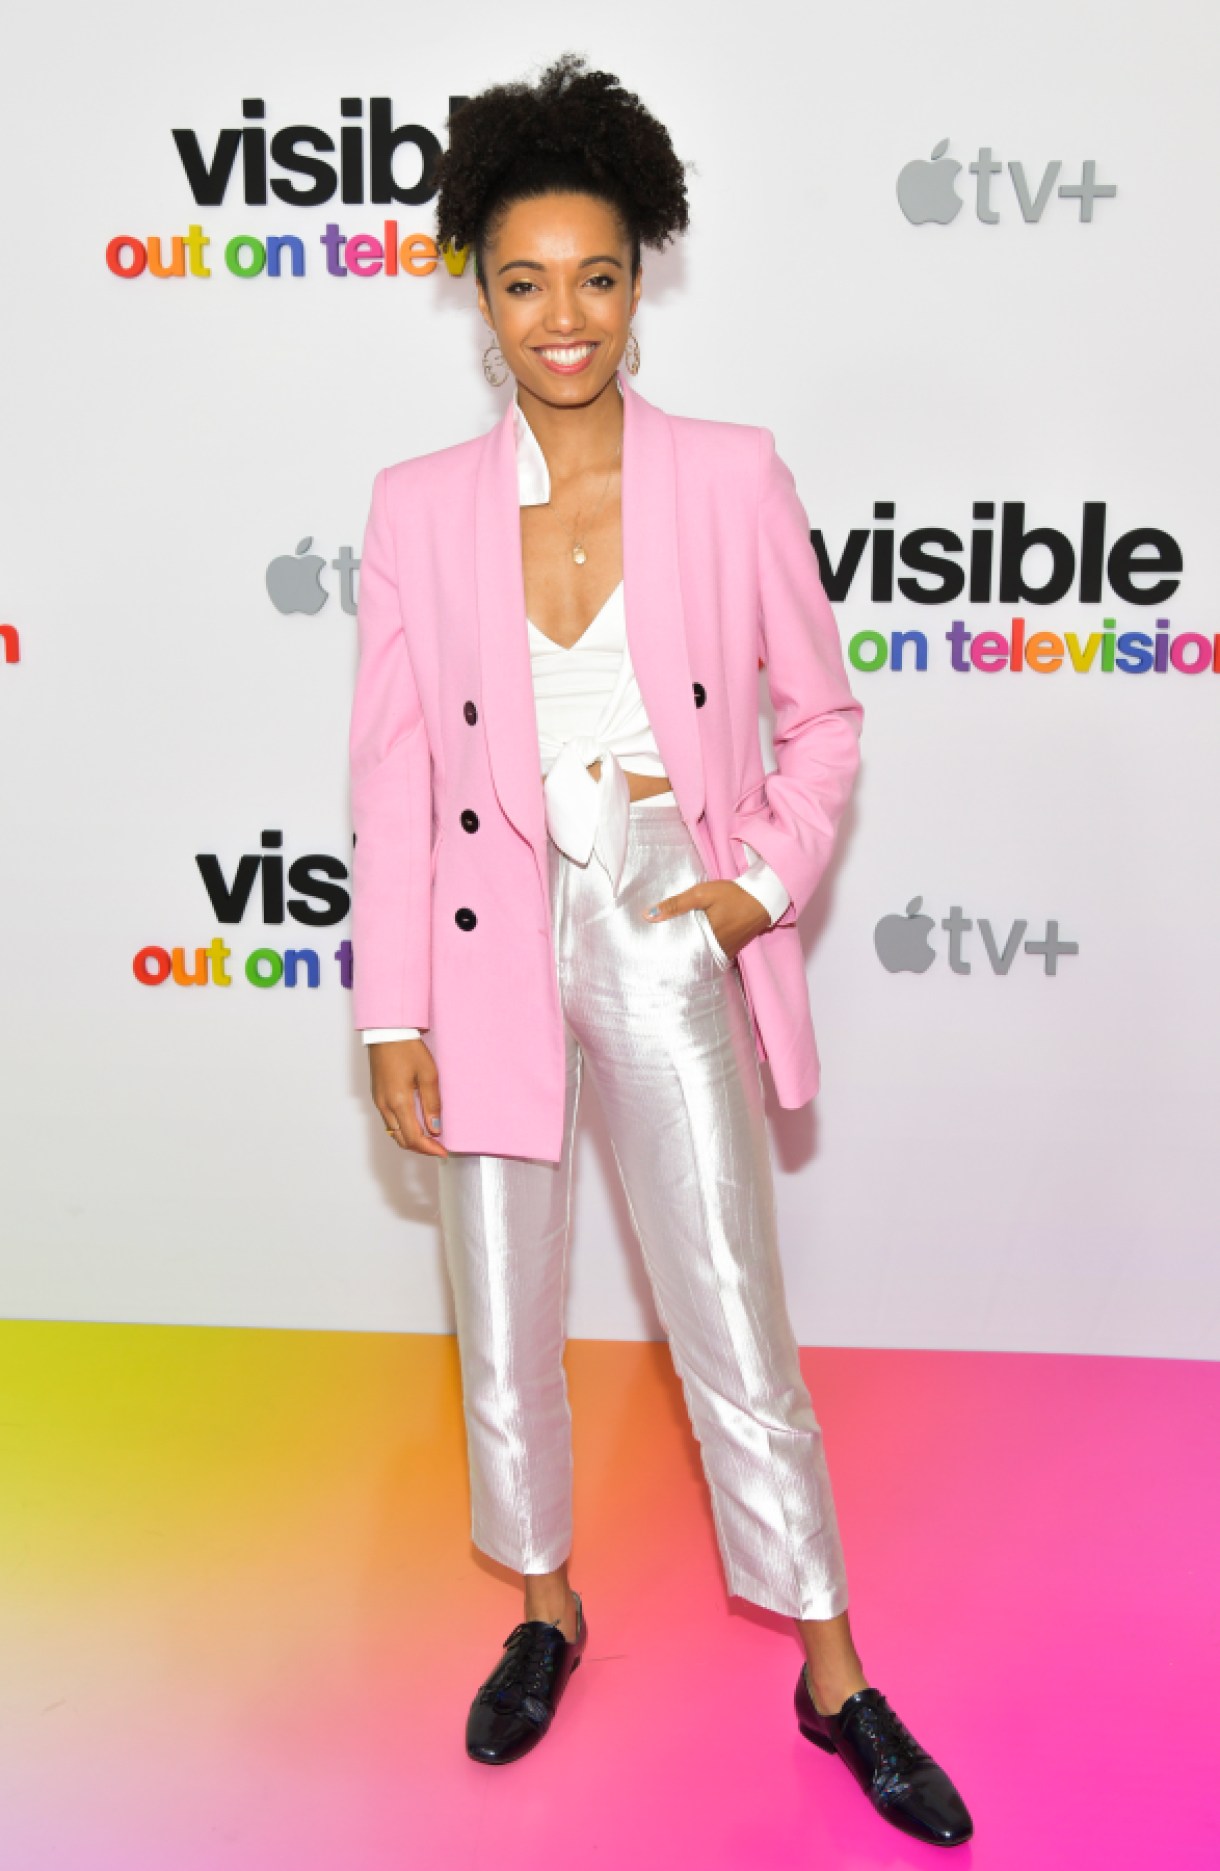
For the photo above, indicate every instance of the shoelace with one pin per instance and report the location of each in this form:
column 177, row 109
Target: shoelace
column 895, row 1747
column 527, row 1668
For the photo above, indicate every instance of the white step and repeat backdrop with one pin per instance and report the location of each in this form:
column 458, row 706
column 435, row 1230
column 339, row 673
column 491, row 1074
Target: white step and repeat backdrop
column 963, row 262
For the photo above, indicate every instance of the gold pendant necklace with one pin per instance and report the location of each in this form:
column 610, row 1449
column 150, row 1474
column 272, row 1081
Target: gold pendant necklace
column 578, row 551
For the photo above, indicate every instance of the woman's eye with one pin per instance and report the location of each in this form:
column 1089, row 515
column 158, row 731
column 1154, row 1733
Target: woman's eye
column 518, row 287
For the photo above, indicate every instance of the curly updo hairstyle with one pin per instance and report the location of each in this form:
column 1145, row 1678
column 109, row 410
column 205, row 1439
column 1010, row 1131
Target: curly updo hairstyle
column 574, row 131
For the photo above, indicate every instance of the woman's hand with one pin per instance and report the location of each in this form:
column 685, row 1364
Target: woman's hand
column 735, row 914
column 399, row 1068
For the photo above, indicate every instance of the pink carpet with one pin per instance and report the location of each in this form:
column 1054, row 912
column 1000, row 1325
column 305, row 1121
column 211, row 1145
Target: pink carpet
column 242, row 1619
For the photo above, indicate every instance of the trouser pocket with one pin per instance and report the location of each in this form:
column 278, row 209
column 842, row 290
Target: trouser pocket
column 722, row 960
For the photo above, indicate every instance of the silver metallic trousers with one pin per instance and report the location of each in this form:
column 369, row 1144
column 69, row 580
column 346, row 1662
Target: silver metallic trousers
column 659, row 1014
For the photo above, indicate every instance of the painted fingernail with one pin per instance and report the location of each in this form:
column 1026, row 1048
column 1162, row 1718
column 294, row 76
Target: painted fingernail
column 654, row 911
column 435, row 1122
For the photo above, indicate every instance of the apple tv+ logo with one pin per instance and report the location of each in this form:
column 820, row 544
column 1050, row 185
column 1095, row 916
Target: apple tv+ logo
column 927, row 191
column 903, row 942
column 294, row 580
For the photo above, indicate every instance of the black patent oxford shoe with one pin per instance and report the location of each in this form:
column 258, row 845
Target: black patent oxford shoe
column 516, row 1705
column 899, row 1776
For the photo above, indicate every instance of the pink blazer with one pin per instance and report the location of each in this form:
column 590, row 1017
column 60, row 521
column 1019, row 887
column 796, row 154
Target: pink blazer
column 451, row 925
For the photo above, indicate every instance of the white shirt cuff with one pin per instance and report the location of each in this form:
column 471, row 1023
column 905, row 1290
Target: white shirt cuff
column 762, row 882
column 371, row 1035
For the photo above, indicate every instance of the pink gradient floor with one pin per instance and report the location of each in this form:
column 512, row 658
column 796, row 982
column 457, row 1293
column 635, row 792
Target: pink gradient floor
column 242, row 1619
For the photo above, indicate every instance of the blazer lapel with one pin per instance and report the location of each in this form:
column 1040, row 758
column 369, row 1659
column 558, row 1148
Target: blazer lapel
column 652, row 588
column 509, row 718
column 656, row 631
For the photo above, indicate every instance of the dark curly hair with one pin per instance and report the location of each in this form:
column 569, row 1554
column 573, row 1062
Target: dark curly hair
column 575, row 130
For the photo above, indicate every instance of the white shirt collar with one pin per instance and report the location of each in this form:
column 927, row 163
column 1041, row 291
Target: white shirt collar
column 533, row 476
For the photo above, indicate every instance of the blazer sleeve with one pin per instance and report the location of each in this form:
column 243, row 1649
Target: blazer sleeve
column 391, row 794
column 817, row 718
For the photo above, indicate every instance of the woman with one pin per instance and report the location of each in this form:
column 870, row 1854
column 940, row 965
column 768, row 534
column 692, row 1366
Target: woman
column 568, row 853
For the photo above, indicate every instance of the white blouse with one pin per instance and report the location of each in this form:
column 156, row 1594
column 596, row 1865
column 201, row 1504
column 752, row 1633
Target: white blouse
column 589, row 708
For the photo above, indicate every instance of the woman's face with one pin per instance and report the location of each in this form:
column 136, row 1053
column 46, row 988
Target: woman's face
column 559, row 295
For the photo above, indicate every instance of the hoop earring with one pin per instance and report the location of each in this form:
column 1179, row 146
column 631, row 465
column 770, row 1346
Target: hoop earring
column 631, row 353
column 495, row 366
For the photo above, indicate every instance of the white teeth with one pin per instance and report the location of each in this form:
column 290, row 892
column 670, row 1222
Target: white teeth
column 566, row 354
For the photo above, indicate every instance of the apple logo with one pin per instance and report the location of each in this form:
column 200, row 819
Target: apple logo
column 295, row 584
column 925, row 189
column 902, row 941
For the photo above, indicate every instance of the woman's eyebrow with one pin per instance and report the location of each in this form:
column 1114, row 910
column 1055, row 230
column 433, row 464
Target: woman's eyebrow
column 538, row 267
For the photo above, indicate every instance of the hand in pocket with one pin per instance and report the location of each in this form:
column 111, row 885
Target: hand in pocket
column 734, row 916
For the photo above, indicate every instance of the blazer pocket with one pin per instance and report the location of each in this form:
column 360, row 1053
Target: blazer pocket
column 753, row 801
column 751, row 805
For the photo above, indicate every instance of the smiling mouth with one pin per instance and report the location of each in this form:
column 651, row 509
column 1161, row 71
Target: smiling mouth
column 565, row 356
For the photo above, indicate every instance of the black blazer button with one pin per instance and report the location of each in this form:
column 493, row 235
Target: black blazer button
column 470, row 821
column 700, row 694
column 465, row 919
column 471, row 712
